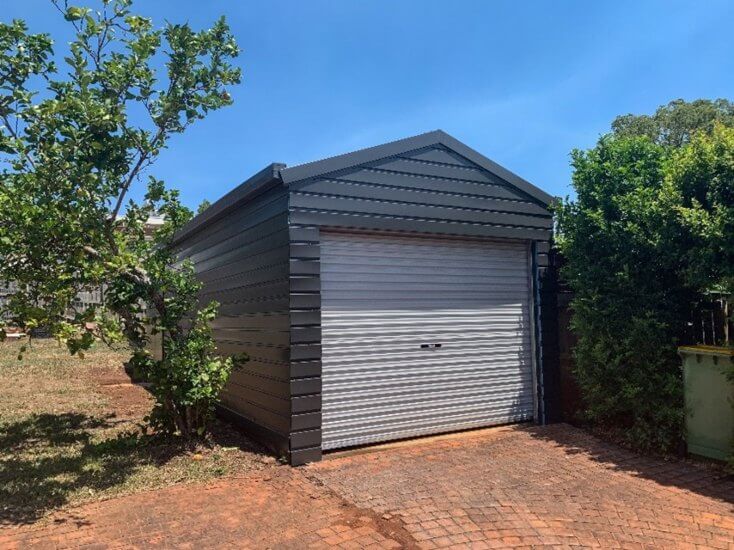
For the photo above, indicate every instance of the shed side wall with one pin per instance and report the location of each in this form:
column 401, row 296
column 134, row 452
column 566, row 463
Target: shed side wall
column 243, row 261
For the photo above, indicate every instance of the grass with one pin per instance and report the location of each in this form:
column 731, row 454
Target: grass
column 71, row 432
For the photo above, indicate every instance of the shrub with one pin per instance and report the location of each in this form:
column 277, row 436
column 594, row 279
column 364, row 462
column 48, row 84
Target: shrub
column 649, row 233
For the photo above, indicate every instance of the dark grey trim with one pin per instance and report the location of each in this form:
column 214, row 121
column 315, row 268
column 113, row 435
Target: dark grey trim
column 371, row 154
column 256, row 184
column 306, row 335
column 305, row 369
column 537, row 336
column 299, row 457
column 305, row 356
column 307, row 438
column 306, row 421
column 396, row 148
column 545, row 289
column 549, row 331
column 306, row 403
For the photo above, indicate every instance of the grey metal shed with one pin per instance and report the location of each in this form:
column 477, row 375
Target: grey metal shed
column 391, row 292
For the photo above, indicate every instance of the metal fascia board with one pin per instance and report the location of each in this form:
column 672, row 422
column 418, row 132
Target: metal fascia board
column 259, row 182
column 494, row 168
column 332, row 164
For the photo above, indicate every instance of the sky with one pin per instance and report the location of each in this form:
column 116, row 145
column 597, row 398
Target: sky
column 523, row 83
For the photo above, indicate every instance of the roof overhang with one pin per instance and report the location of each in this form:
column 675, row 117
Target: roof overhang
column 260, row 182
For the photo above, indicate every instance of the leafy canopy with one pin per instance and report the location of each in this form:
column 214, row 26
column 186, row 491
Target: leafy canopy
column 73, row 143
column 674, row 124
column 651, row 229
column 702, row 174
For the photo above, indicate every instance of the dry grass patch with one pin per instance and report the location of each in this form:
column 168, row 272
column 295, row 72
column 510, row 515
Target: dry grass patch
column 71, row 431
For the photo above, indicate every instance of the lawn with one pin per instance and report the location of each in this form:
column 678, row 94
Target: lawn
column 71, row 431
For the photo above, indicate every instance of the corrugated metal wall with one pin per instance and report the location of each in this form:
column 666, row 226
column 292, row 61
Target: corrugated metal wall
column 432, row 190
column 242, row 258
column 422, row 336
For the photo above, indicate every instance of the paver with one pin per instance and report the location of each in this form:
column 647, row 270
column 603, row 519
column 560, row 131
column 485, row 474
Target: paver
column 519, row 487
column 534, row 486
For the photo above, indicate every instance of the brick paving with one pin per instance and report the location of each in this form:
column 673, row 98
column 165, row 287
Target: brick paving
column 537, row 486
column 510, row 487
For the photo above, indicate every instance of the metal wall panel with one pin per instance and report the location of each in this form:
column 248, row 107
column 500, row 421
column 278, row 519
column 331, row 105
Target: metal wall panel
column 422, row 335
column 427, row 190
column 305, row 317
column 242, row 258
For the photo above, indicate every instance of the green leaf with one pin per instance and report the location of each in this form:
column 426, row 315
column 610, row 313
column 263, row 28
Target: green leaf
column 74, row 13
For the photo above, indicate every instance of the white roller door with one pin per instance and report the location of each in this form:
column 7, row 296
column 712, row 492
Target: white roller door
column 422, row 336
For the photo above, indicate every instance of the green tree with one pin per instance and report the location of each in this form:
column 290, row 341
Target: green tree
column 73, row 144
column 702, row 174
column 620, row 243
column 203, row 206
column 650, row 230
column 674, row 124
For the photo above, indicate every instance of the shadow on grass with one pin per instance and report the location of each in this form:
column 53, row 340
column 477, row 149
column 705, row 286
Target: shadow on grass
column 47, row 458
column 699, row 478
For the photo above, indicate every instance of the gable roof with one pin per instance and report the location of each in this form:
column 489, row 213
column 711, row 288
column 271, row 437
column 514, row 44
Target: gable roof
column 402, row 146
column 278, row 174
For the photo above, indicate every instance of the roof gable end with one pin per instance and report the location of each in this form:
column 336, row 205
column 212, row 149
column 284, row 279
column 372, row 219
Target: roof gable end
column 431, row 154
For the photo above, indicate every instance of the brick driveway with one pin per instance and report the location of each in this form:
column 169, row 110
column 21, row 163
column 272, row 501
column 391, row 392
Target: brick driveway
column 507, row 487
column 536, row 486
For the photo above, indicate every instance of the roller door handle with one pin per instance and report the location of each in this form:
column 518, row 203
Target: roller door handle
column 429, row 346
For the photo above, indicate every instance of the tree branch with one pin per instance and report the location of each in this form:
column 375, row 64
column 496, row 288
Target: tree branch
column 133, row 174
column 14, row 133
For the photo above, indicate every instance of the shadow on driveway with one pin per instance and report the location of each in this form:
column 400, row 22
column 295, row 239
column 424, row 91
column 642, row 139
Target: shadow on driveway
column 705, row 479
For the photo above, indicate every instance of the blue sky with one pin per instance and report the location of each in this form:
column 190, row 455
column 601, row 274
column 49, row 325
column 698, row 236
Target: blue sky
column 523, row 83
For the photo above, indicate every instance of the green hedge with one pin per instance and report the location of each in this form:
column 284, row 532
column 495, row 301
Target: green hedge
column 651, row 228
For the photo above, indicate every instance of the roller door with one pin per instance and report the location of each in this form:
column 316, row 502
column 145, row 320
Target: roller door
column 422, row 336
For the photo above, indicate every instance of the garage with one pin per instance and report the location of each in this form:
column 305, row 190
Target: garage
column 397, row 291
column 422, row 336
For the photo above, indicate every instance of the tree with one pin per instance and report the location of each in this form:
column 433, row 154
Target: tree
column 72, row 146
column 702, row 175
column 203, row 206
column 674, row 124
column 650, row 231
column 630, row 301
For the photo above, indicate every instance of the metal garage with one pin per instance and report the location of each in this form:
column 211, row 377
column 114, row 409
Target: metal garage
column 391, row 292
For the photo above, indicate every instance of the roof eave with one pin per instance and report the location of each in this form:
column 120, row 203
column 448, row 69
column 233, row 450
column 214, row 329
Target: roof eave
column 263, row 180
